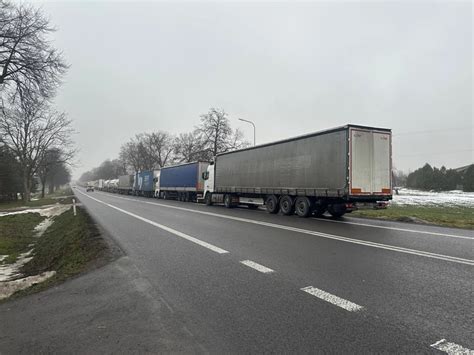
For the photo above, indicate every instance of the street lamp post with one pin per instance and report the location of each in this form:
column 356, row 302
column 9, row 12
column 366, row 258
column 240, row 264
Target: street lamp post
column 253, row 124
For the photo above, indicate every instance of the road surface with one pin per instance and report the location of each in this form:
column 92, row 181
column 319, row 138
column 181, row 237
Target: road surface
column 211, row 279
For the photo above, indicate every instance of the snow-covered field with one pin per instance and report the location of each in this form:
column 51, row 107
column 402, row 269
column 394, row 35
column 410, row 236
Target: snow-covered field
column 426, row 198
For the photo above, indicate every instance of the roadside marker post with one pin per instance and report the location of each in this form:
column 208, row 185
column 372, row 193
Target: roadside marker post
column 74, row 206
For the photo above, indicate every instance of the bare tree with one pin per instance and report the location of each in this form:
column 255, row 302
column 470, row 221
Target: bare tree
column 148, row 151
column 49, row 163
column 59, row 176
column 30, row 130
column 29, row 65
column 190, row 147
column 131, row 154
column 160, row 148
column 217, row 134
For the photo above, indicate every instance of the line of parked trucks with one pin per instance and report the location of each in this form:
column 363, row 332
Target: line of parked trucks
column 336, row 171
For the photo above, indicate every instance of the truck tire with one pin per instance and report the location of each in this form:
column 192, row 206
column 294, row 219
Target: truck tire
column 272, row 204
column 165, row 195
column 337, row 210
column 228, row 201
column 287, row 206
column 208, row 199
column 303, row 206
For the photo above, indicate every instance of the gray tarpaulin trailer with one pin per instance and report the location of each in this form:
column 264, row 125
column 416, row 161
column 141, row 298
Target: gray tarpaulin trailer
column 328, row 170
column 125, row 184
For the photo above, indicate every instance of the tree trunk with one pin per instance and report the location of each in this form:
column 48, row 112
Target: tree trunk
column 43, row 187
column 26, row 188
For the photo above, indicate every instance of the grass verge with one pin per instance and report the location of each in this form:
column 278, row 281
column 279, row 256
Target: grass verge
column 460, row 217
column 69, row 246
column 63, row 192
column 16, row 234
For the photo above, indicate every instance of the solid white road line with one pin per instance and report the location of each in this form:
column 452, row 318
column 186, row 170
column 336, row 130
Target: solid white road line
column 319, row 234
column 396, row 228
column 168, row 229
column 256, row 266
column 451, row 348
column 328, row 297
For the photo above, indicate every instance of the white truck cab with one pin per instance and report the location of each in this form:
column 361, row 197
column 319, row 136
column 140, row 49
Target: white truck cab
column 208, row 177
column 156, row 181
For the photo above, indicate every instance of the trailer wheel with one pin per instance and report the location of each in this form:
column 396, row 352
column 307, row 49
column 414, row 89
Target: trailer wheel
column 303, row 206
column 287, row 206
column 337, row 210
column 208, row 199
column 272, row 204
column 228, row 201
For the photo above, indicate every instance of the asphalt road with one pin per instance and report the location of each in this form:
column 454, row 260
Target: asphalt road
column 210, row 279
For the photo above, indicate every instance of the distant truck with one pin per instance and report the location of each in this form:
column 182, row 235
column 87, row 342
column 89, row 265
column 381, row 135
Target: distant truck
column 183, row 182
column 125, row 184
column 336, row 170
column 144, row 183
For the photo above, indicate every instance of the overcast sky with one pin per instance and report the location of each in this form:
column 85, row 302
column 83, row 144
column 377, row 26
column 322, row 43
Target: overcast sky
column 292, row 68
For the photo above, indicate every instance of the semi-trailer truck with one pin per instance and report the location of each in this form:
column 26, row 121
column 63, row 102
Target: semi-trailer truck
column 144, row 184
column 125, row 184
column 333, row 170
column 183, row 182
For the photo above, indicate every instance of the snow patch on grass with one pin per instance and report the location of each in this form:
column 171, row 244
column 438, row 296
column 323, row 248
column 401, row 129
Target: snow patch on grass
column 8, row 288
column 11, row 279
column 41, row 228
column 12, row 271
column 453, row 198
column 47, row 211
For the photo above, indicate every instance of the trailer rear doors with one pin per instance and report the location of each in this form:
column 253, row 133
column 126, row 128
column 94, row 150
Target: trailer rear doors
column 370, row 162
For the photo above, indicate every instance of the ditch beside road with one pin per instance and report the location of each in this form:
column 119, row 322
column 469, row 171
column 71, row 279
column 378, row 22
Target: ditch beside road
column 42, row 247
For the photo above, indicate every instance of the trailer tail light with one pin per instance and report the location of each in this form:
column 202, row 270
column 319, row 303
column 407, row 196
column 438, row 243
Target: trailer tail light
column 386, row 191
column 350, row 207
column 356, row 190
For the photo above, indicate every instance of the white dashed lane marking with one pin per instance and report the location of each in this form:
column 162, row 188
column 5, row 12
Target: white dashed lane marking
column 335, row 300
column 451, row 348
column 256, row 266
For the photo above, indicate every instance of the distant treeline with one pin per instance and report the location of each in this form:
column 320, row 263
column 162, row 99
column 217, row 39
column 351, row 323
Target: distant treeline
column 442, row 179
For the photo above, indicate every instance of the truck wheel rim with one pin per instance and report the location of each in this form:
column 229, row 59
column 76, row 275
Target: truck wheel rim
column 302, row 207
